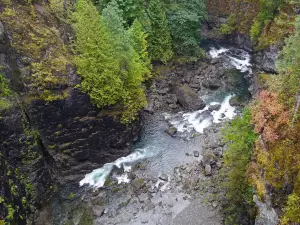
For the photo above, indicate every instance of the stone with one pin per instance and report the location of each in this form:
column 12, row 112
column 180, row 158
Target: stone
column 171, row 131
column 144, row 221
column 212, row 84
column 163, row 177
column 138, row 183
column 2, row 30
column 172, row 99
column 196, row 153
column 214, row 204
column 214, row 107
column 208, row 159
column 188, row 98
column 208, row 171
column 234, row 101
column 98, row 210
column 143, row 197
column 150, row 107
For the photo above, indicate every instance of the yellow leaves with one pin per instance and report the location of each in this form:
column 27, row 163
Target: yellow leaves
column 256, row 179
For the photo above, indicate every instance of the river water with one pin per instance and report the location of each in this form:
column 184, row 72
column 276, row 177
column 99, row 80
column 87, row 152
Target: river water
column 164, row 152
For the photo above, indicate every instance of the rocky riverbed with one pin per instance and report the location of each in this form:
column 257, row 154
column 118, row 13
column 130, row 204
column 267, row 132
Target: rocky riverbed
column 171, row 176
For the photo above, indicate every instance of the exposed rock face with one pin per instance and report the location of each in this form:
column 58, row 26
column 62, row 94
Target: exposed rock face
column 58, row 143
column 188, row 98
column 266, row 214
column 45, row 145
column 265, row 60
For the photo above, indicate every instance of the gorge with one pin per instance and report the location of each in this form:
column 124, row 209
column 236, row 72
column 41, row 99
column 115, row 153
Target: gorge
column 149, row 112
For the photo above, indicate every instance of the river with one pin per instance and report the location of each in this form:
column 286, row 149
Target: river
column 162, row 154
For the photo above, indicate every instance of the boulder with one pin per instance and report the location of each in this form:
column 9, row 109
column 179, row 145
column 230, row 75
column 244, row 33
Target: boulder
column 234, row 101
column 98, row 210
column 171, row 131
column 163, row 177
column 212, row 84
column 214, row 107
column 208, row 159
column 196, row 153
column 188, row 99
column 208, row 170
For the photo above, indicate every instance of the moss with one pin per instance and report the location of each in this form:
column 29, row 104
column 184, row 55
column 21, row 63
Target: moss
column 35, row 37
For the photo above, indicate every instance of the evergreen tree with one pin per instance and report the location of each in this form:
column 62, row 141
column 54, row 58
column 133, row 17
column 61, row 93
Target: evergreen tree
column 159, row 39
column 111, row 69
column 184, row 19
column 138, row 39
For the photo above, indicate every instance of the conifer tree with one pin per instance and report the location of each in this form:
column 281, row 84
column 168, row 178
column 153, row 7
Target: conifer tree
column 160, row 43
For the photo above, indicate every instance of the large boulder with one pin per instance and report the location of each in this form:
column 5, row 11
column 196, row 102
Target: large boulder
column 188, row 99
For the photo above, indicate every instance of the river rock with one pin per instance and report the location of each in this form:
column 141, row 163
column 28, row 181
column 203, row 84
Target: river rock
column 98, row 210
column 138, row 183
column 208, row 170
column 143, row 197
column 208, row 159
column 196, row 153
column 234, row 101
column 171, row 131
column 212, row 84
column 163, row 177
column 188, row 99
column 214, row 107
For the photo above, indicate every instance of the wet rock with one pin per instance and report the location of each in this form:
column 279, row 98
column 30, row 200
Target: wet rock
column 98, row 210
column 214, row 107
column 163, row 177
column 1, row 32
column 143, row 197
column 188, row 99
column 208, row 171
column 196, row 153
column 212, row 84
column 234, row 101
column 171, row 131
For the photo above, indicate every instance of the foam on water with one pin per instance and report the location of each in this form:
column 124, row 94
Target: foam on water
column 243, row 63
column 201, row 119
column 98, row 177
column 215, row 53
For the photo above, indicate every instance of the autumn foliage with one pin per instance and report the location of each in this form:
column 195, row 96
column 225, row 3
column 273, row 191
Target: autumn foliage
column 269, row 116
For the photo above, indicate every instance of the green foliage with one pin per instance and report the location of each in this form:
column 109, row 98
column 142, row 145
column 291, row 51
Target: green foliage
column 229, row 27
column 185, row 18
column 132, row 9
column 159, row 39
column 4, row 92
column 40, row 44
column 240, row 137
column 288, row 65
column 292, row 210
column 266, row 14
column 111, row 69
